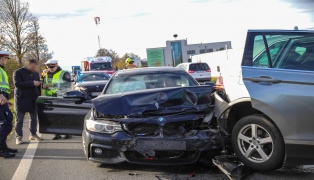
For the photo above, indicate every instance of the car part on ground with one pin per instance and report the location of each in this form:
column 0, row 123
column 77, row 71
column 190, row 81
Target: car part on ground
column 231, row 166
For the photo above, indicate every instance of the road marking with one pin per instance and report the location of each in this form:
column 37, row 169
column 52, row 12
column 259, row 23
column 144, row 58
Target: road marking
column 26, row 162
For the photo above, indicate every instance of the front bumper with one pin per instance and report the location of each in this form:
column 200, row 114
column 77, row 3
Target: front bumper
column 121, row 147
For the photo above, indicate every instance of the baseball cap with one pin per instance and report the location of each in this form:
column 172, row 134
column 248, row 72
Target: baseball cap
column 5, row 54
column 52, row 61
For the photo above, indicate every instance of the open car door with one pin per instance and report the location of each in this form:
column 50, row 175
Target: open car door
column 63, row 115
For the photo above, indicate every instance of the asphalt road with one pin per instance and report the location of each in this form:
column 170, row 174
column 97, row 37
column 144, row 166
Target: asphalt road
column 64, row 159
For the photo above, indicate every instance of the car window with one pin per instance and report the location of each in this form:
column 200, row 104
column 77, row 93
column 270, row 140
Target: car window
column 261, row 59
column 101, row 66
column 82, row 77
column 285, row 51
column 299, row 56
column 125, row 83
column 199, row 67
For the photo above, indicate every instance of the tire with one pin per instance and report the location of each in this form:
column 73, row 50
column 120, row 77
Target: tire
column 263, row 151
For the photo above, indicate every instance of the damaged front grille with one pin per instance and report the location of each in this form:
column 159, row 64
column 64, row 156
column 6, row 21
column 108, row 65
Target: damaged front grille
column 143, row 129
column 173, row 129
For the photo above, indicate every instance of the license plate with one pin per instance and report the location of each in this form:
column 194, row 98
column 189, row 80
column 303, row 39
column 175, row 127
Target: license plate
column 200, row 71
column 161, row 144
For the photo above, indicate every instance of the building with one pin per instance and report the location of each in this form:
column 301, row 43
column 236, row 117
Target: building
column 178, row 51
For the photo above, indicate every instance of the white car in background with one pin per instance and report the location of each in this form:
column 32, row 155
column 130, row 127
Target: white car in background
column 199, row 71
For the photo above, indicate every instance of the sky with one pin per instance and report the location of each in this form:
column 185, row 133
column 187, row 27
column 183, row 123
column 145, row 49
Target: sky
column 134, row 25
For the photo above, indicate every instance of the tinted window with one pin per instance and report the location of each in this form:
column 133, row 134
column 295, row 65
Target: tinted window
column 286, row 51
column 82, row 77
column 261, row 58
column 101, row 66
column 125, row 83
column 191, row 52
column 199, row 67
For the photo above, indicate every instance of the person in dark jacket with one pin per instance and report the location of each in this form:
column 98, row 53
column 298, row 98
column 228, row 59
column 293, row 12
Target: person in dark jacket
column 27, row 89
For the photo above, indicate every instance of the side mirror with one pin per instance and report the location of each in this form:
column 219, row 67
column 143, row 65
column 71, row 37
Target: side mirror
column 74, row 94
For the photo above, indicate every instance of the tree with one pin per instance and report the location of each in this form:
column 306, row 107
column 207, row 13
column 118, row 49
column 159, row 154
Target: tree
column 11, row 66
column 105, row 52
column 38, row 48
column 15, row 23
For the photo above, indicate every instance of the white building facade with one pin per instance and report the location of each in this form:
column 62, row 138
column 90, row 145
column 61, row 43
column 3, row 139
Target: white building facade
column 178, row 51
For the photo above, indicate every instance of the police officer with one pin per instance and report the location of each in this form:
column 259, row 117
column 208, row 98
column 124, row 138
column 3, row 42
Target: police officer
column 129, row 64
column 6, row 116
column 55, row 82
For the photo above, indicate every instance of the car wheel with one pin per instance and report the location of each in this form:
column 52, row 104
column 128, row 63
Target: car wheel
column 258, row 143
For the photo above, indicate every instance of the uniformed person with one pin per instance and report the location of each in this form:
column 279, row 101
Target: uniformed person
column 129, row 64
column 55, row 82
column 6, row 116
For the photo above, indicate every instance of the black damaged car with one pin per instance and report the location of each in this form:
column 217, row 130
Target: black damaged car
column 146, row 116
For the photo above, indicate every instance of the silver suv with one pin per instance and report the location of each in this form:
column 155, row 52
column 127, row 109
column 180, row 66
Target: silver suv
column 268, row 106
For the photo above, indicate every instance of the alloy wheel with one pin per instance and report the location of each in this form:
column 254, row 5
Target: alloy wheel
column 255, row 143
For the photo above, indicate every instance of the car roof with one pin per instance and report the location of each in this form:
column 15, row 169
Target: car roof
column 150, row 70
column 194, row 63
column 279, row 31
column 92, row 72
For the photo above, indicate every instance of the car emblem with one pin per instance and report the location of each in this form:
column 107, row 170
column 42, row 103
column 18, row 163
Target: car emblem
column 157, row 105
column 161, row 119
column 97, row 86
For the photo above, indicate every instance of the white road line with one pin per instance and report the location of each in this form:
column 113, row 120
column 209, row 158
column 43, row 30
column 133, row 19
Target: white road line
column 26, row 162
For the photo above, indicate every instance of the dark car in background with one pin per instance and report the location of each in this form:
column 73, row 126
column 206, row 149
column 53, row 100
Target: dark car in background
column 90, row 82
column 146, row 116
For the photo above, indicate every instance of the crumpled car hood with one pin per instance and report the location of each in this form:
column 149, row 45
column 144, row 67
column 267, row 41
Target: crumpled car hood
column 160, row 101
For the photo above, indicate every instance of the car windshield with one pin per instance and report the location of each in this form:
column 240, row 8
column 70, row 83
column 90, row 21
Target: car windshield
column 82, row 77
column 199, row 67
column 127, row 83
column 101, row 66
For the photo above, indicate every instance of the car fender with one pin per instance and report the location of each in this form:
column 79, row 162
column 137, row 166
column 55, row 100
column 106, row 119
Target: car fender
column 221, row 106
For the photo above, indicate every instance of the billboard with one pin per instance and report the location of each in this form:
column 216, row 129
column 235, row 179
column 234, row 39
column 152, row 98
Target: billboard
column 155, row 57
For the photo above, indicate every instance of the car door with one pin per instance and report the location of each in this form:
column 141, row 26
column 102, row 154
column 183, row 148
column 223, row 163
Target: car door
column 277, row 69
column 59, row 115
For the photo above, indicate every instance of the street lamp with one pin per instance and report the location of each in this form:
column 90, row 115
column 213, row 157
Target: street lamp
column 97, row 22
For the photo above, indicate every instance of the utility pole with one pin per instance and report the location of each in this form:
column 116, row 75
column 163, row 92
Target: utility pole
column 97, row 21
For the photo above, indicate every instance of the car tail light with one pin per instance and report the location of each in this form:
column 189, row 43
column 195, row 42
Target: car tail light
column 208, row 70
column 190, row 71
column 219, row 83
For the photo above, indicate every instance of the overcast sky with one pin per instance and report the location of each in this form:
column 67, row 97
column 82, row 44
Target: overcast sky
column 134, row 25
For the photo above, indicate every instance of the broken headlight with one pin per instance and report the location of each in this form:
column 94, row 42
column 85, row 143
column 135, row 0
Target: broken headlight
column 107, row 127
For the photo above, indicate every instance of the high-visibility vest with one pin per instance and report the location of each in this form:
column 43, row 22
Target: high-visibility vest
column 4, row 82
column 56, row 80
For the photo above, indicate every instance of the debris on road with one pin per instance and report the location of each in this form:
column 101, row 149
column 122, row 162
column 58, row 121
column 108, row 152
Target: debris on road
column 231, row 166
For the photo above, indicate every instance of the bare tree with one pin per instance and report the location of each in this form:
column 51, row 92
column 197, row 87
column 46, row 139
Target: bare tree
column 15, row 23
column 105, row 52
column 38, row 49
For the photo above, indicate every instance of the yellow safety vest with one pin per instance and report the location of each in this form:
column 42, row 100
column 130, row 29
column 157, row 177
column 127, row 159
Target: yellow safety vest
column 56, row 80
column 4, row 82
